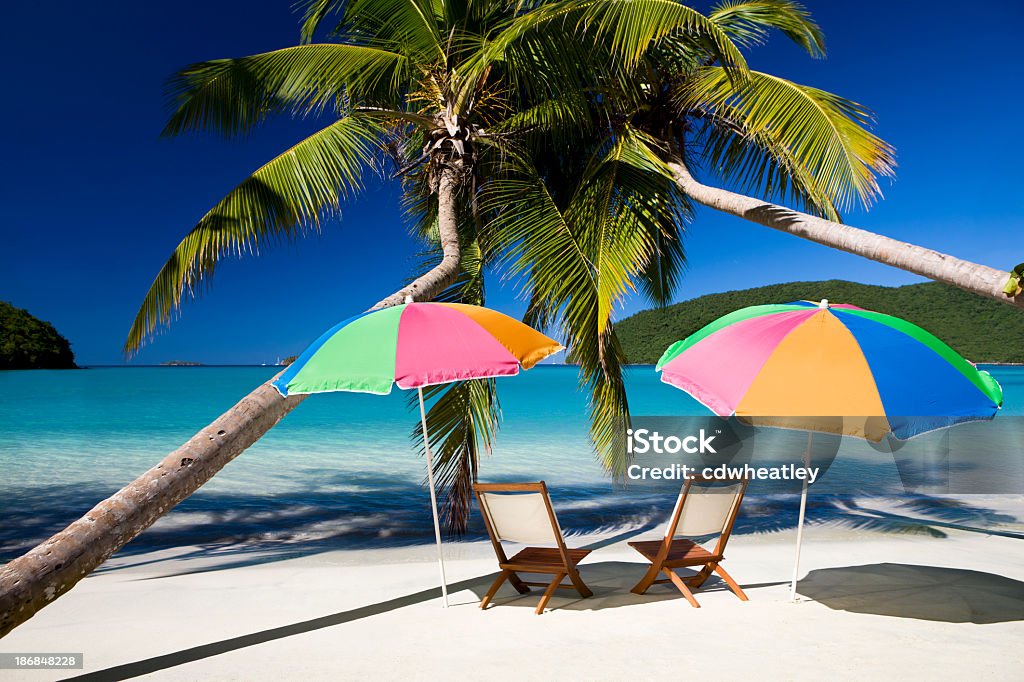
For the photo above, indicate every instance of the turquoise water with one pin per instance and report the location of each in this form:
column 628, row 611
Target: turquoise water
column 340, row 468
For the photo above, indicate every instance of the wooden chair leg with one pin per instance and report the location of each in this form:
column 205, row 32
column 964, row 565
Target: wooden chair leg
column 581, row 587
column 678, row 582
column 647, row 580
column 502, row 577
column 696, row 581
column 517, row 582
column 548, row 592
column 730, row 582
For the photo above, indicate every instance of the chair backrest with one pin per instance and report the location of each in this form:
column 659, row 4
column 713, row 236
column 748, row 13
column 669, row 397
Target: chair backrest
column 518, row 512
column 706, row 509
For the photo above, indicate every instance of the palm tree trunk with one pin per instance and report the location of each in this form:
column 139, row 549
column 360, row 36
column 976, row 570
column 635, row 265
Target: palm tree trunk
column 37, row 578
column 431, row 283
column 979, row 279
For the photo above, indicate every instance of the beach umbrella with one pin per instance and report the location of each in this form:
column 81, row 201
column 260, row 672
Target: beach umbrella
column 415, row 345
column 801, row 365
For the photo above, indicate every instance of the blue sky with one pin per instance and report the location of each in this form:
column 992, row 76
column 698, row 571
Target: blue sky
column 94, row 202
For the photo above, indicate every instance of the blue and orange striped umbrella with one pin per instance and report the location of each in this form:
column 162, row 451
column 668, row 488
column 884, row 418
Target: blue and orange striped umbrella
column 829, row 368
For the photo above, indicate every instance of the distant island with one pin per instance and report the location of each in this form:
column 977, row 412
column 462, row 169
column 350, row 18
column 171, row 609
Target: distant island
column 979, row 329
column 181, row 363
column 29, row 343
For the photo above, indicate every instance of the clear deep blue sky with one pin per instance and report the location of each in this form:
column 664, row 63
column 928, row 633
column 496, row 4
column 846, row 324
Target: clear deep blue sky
column 93, row 202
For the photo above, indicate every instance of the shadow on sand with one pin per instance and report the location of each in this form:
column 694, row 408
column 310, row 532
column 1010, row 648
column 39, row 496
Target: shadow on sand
column 948, row 595
column 609, row 580
column 900, row 590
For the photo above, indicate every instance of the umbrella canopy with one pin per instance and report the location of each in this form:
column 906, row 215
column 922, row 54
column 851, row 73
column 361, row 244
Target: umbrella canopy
column 801, row 365
column 416, row 345
column 806, row 359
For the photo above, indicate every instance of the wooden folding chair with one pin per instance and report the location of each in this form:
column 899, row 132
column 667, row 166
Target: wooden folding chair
column 522, row 513
column 701, row 509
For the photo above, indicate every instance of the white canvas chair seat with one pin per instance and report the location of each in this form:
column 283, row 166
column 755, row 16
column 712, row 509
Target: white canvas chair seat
column 519, row 517
column 706, row 509
column 701, row 509
column 522, row 513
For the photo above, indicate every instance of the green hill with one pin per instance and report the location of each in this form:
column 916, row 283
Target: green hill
column 28, row 343
column 979, row 329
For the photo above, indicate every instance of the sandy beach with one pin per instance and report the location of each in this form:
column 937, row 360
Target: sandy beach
column 192, row 613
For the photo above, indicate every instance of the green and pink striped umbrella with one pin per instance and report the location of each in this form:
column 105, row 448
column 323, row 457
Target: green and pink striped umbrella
column 415, row 345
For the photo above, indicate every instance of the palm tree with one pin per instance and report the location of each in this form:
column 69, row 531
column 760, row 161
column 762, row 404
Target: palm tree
column 763, row 134
column 668, row 88
column 406, row 86
column 565, row 163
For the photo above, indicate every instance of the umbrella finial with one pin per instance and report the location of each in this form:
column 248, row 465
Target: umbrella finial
column 408, row 298
column 824, row 303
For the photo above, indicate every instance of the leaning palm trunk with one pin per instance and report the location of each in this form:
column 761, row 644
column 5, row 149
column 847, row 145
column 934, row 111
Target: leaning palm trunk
column 32, row 581
column 979, row 279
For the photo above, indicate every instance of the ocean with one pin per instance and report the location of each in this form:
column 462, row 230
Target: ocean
column 341, row 471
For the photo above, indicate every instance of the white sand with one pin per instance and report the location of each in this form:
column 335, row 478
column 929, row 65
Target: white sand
column 381, row 624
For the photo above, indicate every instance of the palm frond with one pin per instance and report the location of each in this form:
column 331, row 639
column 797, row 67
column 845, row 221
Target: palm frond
column 748, row 23
column 314, row 13
column 615, row 36
column 286, row 197
column 412, row 27
column 579, row 263
column 571, row 112
column 462, row 421
column 635, row 26
column 757, row 163
column 661, row 277
column 541, row 245
column 231, row 96
column 813, row 140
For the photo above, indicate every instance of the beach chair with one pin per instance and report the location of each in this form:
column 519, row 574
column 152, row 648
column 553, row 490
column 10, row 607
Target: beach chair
column 522, row 513
column 701, row 509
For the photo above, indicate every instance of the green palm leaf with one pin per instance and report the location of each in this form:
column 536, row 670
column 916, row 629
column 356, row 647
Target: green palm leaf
column 810, row 138
column 748, row 23
column 617, row 33
column 412, row 27
column 286, row 197
column 564, row 284
column 634, row 26
column 577, row 264
column 462, row 421
column 231, row 96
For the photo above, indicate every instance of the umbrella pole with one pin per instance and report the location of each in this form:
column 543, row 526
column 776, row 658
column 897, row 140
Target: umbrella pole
column 433, row 500
column 800, row 522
